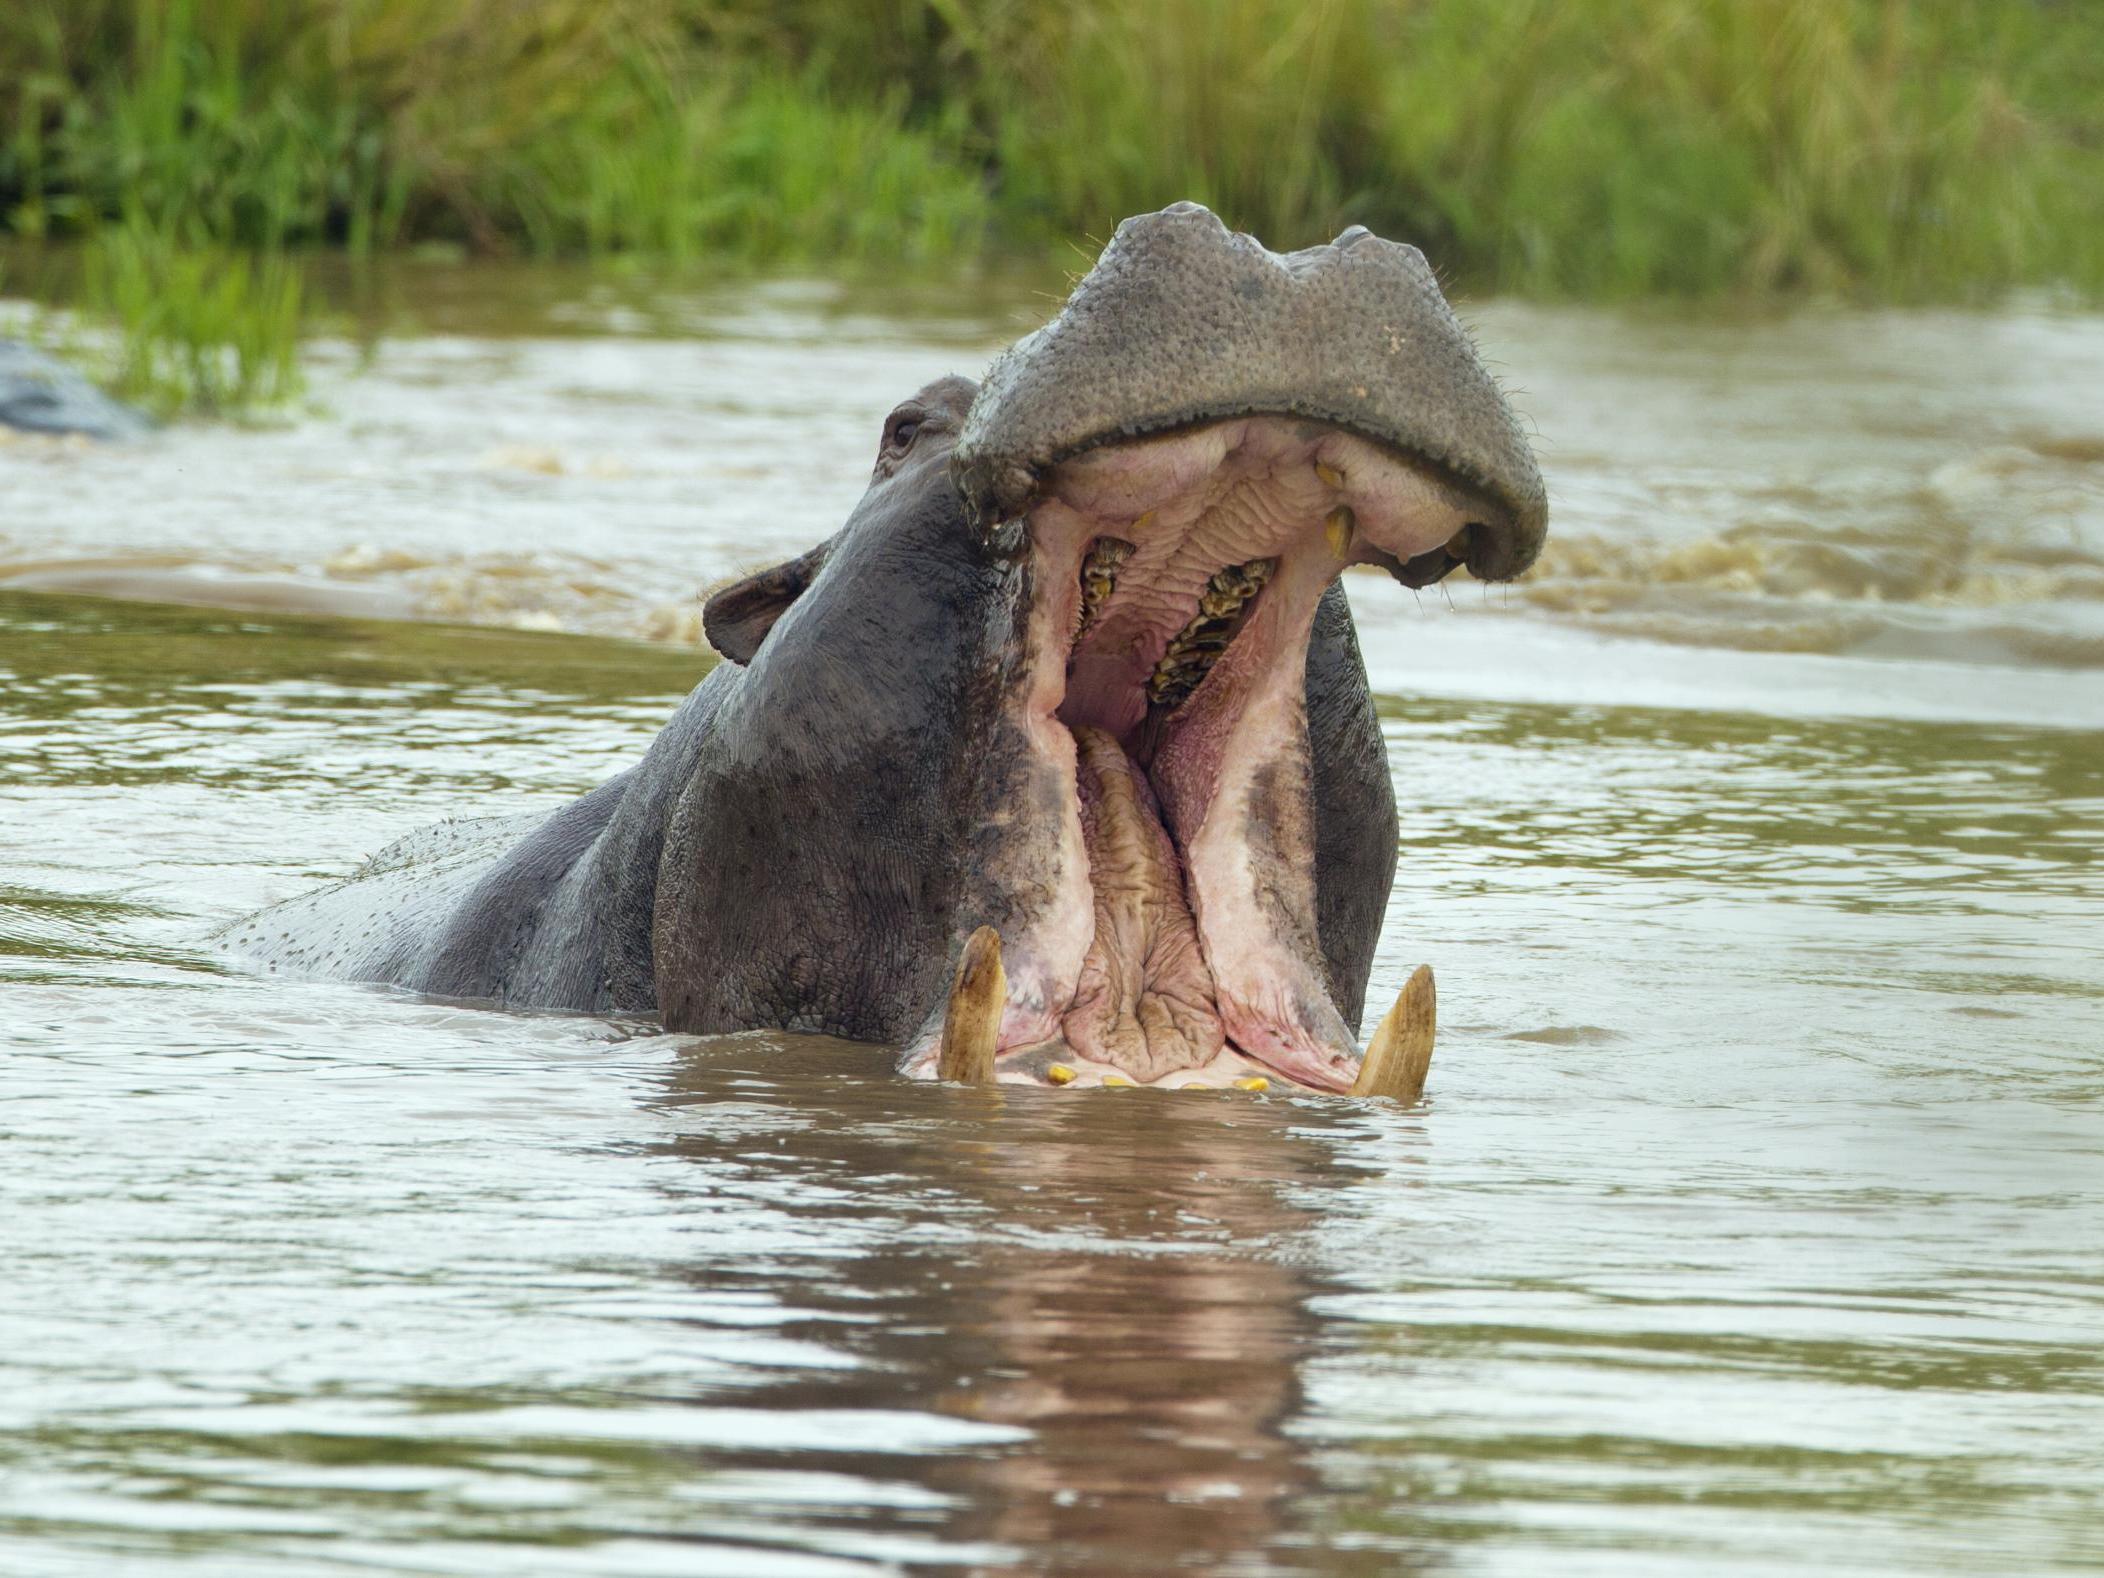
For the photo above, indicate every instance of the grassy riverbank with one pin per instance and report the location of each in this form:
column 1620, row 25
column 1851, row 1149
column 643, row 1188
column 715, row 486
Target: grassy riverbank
column 1559, row 147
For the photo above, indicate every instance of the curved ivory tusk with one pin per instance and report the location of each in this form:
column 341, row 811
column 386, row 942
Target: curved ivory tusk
column 971, row 1028
column 1401, row 1049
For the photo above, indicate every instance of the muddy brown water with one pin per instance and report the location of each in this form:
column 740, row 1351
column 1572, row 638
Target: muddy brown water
column 1755, row 1223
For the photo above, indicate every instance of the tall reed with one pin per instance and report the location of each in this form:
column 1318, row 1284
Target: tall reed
column 194, row 329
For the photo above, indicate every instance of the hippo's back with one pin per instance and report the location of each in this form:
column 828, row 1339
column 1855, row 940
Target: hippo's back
column 550, row 910
column 384, row 920
column 39, row 395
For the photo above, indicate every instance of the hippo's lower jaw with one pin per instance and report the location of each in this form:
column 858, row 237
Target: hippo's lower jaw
column 1174, row 581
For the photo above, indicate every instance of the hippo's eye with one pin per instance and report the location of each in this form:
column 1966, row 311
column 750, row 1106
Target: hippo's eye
column 903, row 429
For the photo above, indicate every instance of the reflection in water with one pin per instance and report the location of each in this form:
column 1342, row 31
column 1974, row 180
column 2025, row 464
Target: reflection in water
column 1113, row 1279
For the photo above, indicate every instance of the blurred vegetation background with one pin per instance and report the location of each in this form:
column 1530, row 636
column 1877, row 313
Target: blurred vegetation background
column 1891, row 149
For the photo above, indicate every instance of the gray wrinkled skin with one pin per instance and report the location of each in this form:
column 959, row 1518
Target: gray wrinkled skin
column 39, row 395
column 833, row 809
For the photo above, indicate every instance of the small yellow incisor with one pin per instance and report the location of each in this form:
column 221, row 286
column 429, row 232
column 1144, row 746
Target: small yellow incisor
column 1117, row 1081
column 1253, row 1082
column 1060, row 1074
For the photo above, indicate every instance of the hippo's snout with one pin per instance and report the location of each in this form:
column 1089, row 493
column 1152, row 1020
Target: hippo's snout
column 1183, row 322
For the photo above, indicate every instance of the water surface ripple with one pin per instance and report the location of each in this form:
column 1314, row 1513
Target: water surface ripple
column 1752, row 1227
column 1823, row 483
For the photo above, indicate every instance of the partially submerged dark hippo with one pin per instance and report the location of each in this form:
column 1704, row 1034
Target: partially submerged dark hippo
column 1074, row 681
column 40, row 395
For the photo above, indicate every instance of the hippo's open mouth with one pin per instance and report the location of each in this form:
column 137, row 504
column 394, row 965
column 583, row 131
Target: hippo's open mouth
column 1184, row 460
column 1175, row 582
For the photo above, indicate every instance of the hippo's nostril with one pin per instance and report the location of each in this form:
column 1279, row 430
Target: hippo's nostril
column 1350, row 237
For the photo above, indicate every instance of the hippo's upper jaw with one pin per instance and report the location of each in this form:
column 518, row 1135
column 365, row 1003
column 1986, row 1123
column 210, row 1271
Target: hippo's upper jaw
column 1182, row 322
column 1186, row 459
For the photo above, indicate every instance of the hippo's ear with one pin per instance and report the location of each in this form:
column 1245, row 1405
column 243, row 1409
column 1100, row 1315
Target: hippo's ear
column 738, row 617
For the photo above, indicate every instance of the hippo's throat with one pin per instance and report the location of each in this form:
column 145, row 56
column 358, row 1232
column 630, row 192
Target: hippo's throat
column 1174, row 582
column 1147, row 1002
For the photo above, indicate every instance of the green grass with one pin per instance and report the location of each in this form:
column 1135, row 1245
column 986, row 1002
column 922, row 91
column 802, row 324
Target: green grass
column 547, row 125
column 1882, row 149
column 195, row 329
column 177, row 330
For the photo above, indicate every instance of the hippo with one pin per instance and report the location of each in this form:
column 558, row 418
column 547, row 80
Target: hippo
column 1056, row 763
column 39, row 395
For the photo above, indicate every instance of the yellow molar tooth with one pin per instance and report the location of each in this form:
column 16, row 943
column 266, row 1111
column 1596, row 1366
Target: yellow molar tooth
column 1330, row 475
column 1112, row 1080
column 1060, row 1074
column 1253, row 1082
